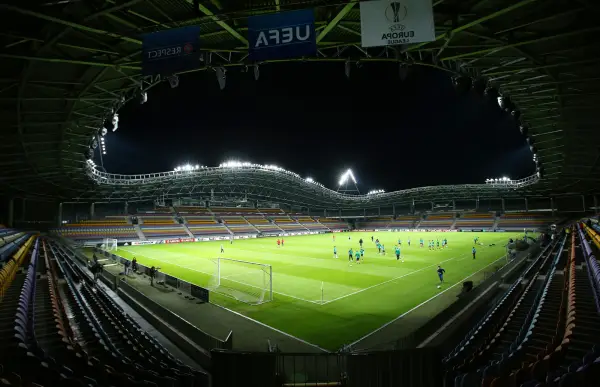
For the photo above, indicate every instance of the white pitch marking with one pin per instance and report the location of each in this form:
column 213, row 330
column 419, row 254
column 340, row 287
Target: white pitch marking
column 203, row 272
column 422, row 303
column 385, row 282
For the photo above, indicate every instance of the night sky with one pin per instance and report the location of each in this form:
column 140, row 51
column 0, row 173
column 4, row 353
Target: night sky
column 310, row 119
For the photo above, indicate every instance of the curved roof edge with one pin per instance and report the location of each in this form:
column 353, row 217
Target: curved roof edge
column 292, row 182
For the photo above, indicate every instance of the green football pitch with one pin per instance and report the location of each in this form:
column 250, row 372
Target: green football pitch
column 321, row 299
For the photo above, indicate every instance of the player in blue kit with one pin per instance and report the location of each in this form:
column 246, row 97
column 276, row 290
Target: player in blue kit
column 421, row 242
column 350, row 254
column 362, row 252
column 357, row 256
column 474, row 252
column 335, row 251
column 440, row 273
column 400, row 242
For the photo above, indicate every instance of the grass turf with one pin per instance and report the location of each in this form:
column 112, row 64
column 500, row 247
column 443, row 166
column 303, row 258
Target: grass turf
column 356, row 299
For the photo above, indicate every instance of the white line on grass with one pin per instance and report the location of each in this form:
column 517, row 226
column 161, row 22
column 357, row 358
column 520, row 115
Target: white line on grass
column 385, row 282
column 422, row 303
column 270, row 327
column 203, row 272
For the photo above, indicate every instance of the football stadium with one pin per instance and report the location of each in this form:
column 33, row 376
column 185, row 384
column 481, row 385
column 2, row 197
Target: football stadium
column 119, row 269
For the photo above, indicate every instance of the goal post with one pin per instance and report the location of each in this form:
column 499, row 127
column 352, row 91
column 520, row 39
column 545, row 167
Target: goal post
column 109, row 244
column 247, row 282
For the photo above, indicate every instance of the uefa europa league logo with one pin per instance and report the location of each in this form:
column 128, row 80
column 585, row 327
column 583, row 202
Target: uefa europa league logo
column 395, row 12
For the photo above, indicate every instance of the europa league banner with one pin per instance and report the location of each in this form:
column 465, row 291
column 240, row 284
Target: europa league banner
column 392, row 22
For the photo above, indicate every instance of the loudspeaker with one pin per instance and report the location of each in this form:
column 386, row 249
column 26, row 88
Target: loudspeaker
column 467, row 286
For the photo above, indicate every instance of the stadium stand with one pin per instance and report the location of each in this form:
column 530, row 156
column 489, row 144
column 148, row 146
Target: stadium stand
column 440, row 221
column 477, row 221
column 94, row 230
column 270, row 211
column 262, row 224
column 521, row 220
column 205, row 225
column 157, row 231
column 334, row 224
column 233, row 211
column 542, row 332
column 286, row 223
column 60, row 330
column 404, row 221
column 382, row 222
column 155, row 219
column 238, row 225
column 191, row 210
column 310, row 223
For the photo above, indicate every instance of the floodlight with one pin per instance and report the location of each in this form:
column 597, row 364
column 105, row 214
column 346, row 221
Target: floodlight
column 143, row 97
column 94, row 143
column 533, row 149
column 197, row 166
column 220, row 72
column 347, row 175
column 310, row 180
column 524, row 128
column 173, row 81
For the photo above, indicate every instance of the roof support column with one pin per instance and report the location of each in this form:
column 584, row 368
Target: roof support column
column 379, row 209
column 11, row 212
column 477, row 204
column 394, row 211
column 364, row 213
column 92, row 210
column 583, row 202
column 552, row 205
column 126, row 208
column 453, row 205
column 526, row 205
column 432, row 206
column 503, row 204
column 23, row 209
column 60, row 214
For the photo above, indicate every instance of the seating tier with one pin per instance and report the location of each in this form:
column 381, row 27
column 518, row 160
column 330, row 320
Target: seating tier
column 520, row 220
column 93, row 233
column 476, row 221
column 156, row 231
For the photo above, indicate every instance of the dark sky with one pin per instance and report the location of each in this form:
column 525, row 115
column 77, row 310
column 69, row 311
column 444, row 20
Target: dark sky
column 310, row 119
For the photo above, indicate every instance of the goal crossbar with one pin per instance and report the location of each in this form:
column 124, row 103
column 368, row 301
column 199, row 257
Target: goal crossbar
column 248, row 282
column 110, row 244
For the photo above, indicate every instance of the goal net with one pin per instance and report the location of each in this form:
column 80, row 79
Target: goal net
column 109, row 244
column 247, row 282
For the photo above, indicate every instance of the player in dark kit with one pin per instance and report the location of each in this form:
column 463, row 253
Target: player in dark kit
column 360, row 242
column 474, row 252
column 440, row 273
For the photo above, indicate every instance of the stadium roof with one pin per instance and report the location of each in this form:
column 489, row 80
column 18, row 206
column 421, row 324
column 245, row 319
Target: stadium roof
column 66, row 65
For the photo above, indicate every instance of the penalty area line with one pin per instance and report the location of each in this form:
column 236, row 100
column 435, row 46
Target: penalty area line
column 210, row 274
column 387, row 281
column 423, row 303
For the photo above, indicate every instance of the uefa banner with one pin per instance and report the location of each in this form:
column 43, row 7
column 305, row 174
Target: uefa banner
column 390, row 22
column 282, row 35
column 171, row 51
